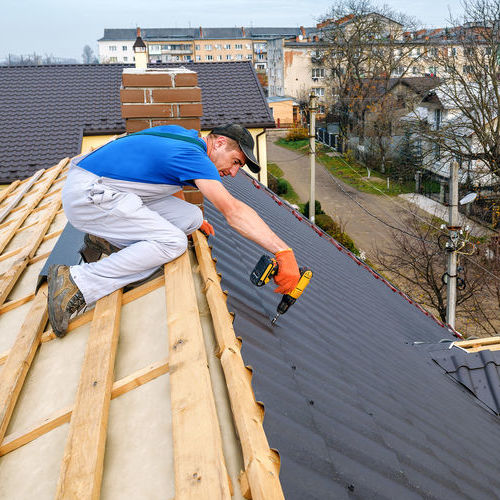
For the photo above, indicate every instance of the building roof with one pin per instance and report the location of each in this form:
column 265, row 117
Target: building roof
column 47, row 109
column 200, row 33
column 354, row 402
column 171, row 427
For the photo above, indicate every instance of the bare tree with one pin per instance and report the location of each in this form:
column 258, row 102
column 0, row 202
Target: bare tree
column 417, row 264
column 88, row 55
column 367, row 48
column 470, row 88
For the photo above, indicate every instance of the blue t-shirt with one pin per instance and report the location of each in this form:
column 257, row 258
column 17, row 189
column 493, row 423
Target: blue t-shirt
column 152, row 159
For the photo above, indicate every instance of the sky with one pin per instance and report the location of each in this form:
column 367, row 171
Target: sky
column 62, row 27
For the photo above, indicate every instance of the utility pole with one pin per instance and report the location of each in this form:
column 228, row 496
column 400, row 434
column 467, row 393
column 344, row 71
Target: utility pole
column 312, row 152
column 454, row 228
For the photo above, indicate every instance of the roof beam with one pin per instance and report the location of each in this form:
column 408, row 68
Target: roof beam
column 200, row 470
column 83, row 460
column 20, row 357
column 140, row 377
column 261, row 463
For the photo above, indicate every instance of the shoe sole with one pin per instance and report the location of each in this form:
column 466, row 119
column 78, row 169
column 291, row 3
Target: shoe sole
column 52, row 279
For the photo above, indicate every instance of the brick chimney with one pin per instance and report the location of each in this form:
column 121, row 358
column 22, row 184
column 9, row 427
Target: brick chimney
column 201, row 32
column 243, row 32
column 302, row 29
column 152, row 97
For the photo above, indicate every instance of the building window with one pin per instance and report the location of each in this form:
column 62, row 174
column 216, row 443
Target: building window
column 113, row 59
column 112, row 48
column 260, row 57
column 248, row 46
column 319, row 92
column 219, row 58
column 125, row 58
column 218, row 46
column 198, row 58
column 487, row 51
column 239, row 57
column 249, row 57
column 453, row 51
column 414, row 70
column 208, row 47
column 227, row 46
column 437, row 118
column 318, row 72
column 238, row 46
column 321, row 109
column 209, row 58
column 124, row 48
column 229, row 57
column 197, row 47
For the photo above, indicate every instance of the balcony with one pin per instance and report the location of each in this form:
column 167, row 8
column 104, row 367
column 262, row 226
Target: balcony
column 177, row 52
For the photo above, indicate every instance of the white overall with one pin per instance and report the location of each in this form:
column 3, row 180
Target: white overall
column 145, row 220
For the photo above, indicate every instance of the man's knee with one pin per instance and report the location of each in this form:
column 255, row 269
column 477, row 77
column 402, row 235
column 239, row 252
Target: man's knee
column 193, row 220
column 174, row 246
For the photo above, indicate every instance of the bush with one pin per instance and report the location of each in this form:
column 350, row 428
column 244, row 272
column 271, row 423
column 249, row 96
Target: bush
column 332, row 228
column 297, row 134
column 282, row 187
column 326, row 223
column 349, row 156
column 272, row 183
column 317, row 207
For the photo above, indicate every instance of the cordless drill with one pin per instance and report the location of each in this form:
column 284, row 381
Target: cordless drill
column 265, row 269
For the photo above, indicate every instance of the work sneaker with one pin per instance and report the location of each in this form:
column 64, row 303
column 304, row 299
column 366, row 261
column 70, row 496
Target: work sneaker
column 99, row 244
column 64, row 299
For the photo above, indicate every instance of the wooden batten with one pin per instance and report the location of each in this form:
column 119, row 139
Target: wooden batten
column 20, row 357
column 82, row 465
column 9, row 278
column 261, row 463
column 482, row 344
column 16, row 440
column 199, row 466
column 48, row 178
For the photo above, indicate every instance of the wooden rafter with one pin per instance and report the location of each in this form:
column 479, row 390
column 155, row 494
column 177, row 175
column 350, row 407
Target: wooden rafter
column 140, row 377
column 199, row 466
column 9, row 278
column 261, row 463
column 20, row 357
column 82, row 465
column 86, row 317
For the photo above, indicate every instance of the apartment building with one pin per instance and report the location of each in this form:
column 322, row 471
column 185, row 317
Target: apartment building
column 195, row 44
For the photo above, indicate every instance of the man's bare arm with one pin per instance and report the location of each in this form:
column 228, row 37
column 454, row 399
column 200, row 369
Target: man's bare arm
column 240, row 216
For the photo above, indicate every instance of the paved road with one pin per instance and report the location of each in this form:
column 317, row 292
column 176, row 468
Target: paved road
column 366, row 231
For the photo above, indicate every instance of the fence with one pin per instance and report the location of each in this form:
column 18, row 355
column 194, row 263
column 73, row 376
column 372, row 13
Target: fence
column 332, row 140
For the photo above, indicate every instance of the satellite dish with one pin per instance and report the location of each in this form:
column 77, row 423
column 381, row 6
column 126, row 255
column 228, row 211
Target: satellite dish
column 469, row 198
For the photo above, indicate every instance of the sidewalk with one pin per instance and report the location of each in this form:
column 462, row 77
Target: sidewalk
column 435, row 208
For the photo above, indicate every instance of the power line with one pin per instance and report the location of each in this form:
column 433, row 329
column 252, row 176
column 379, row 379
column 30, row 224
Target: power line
column 376, row 216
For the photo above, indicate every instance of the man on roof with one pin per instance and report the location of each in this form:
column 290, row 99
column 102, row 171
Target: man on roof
column 121, row 195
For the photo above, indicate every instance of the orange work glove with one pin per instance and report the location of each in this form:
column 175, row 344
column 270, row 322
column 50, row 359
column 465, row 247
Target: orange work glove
column 288, row 272
column 206, row 228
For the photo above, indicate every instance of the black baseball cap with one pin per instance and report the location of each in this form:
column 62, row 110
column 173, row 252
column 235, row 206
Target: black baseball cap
column 245, row 140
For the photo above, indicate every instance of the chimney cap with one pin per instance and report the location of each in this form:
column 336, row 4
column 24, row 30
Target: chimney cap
column 139, row 42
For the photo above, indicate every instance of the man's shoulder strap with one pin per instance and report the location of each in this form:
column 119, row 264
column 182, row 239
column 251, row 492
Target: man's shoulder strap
column 168, row 135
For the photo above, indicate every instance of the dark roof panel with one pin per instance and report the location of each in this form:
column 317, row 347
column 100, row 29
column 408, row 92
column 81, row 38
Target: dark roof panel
column 47, row 109
column 354, row 403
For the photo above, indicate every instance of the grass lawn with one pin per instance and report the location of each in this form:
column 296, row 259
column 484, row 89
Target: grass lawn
column 290, row 195
column 351, row 173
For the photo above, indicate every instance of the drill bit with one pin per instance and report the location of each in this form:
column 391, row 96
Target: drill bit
column 273, row 321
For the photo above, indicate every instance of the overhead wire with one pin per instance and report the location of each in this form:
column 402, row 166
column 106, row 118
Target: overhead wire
column 397, row 204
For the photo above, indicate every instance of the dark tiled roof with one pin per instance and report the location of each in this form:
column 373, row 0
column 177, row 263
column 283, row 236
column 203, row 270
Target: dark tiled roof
column 47, row 109
column 478, row 371
column 151, row 34
column 355, row 406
